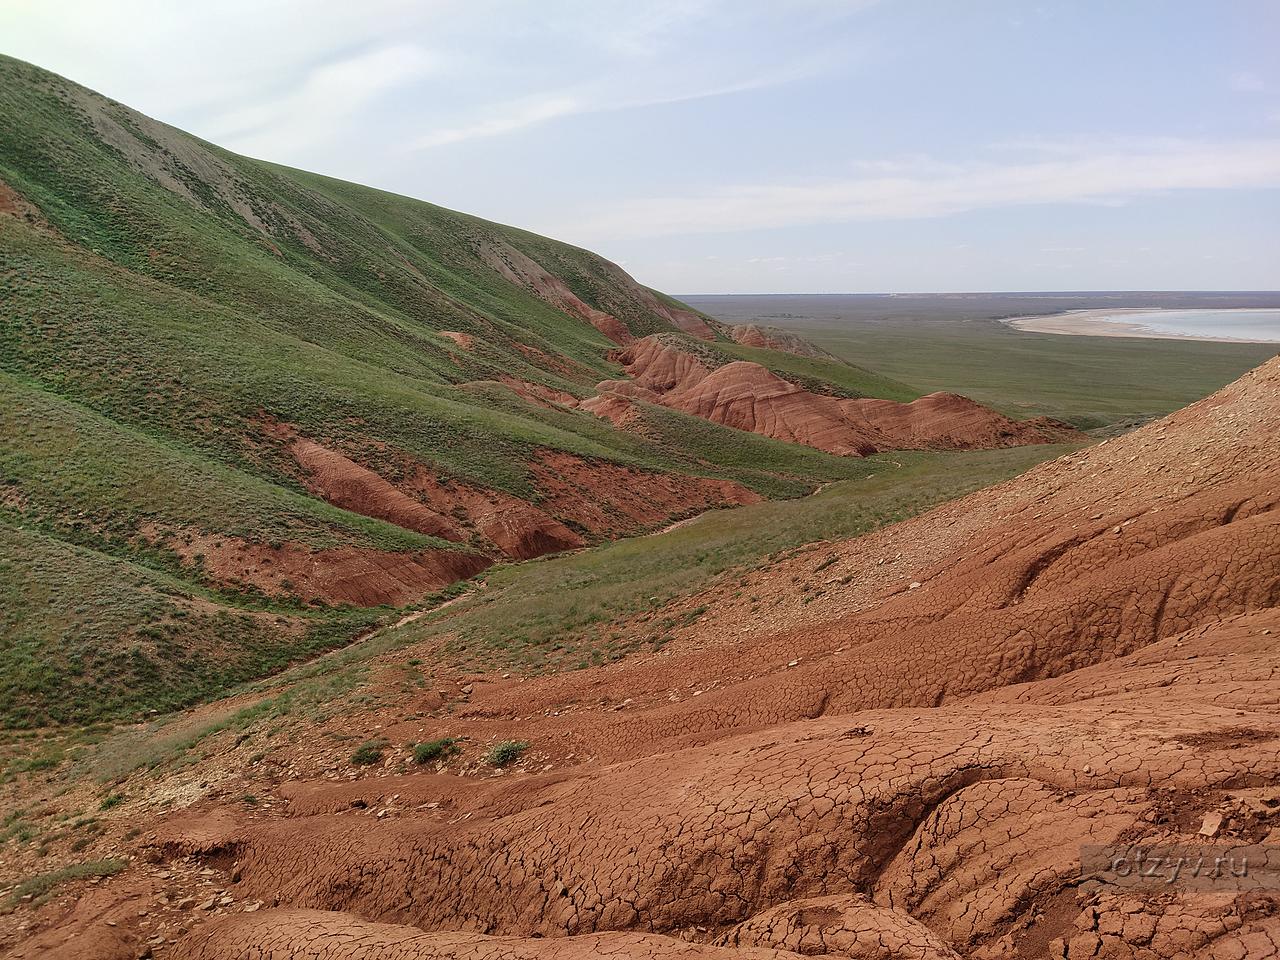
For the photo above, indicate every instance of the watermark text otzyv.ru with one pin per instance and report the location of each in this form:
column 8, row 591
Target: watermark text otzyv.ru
column 1217, row 867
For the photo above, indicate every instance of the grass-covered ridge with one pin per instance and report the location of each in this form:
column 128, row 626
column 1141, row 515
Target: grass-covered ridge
column 197, row 289
column 169, row 305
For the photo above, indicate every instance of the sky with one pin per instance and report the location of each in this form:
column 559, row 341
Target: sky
column 747, row 146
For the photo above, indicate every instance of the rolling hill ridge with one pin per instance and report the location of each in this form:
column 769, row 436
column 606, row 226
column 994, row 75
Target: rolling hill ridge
column 284, row 402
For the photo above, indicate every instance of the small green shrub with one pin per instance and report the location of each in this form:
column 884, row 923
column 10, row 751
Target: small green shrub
column 508, row 751
column 368, row 753
column 111, row 800
column 435, row 749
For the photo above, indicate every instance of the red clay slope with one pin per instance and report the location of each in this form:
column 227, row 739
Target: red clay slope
column 956, row 830
column 747, row 396
column 1084, row 655
column 605, row 499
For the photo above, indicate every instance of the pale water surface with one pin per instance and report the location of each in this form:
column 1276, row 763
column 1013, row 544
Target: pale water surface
column 1229, row 324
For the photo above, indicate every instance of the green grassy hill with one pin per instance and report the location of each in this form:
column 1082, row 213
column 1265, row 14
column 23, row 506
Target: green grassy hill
column 176, row 315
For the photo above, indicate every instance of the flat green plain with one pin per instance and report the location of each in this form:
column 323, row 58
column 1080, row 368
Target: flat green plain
column 956, row 344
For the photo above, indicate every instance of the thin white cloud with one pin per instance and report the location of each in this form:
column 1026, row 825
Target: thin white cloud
column 276, row 80
column 925, row 189
column 516, row 115
column 507, row 119
column 1245, row 82
column 311, row 110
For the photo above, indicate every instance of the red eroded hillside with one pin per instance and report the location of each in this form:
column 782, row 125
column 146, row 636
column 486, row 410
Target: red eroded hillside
column 906, row 766
column 748, row 396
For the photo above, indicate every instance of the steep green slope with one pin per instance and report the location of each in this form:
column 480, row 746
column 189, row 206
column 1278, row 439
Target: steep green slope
column 87, row 636
column 197, row 289
column 245, row 410
column 235, row 380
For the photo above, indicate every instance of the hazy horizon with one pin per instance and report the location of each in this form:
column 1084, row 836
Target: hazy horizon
column 820, row 145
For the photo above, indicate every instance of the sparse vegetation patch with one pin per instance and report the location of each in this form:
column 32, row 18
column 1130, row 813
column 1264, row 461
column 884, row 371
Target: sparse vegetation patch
column 505, row 753
column 435, row 749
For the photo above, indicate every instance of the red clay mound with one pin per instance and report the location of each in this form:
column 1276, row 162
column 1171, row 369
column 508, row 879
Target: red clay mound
column 346, row 484
column 958, row 825
column 949, row 421
column 771, row 338
column 691, row 323
column 523, row 532
column 618, row 410
column 603, row 498
column 516, row 528
column 519, row 529
column 747, row 396
column 613, row 500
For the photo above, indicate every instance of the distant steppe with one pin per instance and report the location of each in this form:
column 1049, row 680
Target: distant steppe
column 956, row 342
